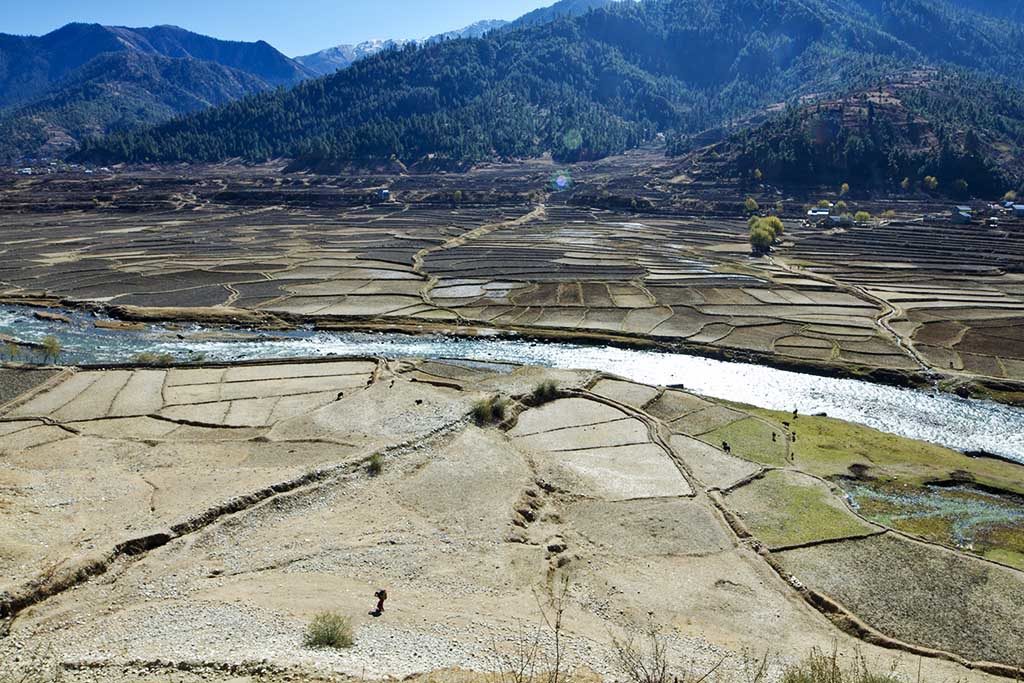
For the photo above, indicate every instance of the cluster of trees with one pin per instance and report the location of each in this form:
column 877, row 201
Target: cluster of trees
column 48, row 351
column 764, row 231
column 579, row 88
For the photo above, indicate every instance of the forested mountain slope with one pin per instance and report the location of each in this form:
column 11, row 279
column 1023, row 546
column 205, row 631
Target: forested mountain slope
column 118, row 91
column 87, row 79
column 586, row 86
column 951, row 132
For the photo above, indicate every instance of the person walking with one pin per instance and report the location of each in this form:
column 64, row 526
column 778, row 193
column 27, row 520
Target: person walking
column 382, row 596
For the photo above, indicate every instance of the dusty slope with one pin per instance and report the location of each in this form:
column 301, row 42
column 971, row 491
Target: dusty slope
column 247, row 491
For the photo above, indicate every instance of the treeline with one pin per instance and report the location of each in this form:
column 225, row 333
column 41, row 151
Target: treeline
column 579, row 88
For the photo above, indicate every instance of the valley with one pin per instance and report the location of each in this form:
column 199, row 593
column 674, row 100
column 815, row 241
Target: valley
column 907, row 299
column 654, row 341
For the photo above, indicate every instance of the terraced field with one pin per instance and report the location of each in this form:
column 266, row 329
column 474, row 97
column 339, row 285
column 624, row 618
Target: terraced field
column 955, row 293
column 494, row 249
column 197, row 518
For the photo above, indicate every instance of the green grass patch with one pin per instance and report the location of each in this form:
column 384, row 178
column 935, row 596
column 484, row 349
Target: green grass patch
column 828, row 447
column 787, row 508
column 751, row 438
column 960, row 517
column 1006, row 557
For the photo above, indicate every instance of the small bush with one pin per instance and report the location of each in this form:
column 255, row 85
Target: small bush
column 490, row 411
column 329, row 629
column 545, row 392
column 375, row 465
column 148, row 358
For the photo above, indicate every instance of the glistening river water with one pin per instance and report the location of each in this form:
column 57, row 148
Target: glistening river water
column 963, row 424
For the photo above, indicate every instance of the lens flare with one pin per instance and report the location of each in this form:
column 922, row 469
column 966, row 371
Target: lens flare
column 561, row 181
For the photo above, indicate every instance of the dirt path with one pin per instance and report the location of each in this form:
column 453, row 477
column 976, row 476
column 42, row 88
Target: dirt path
column 419, row 258
column 888, row 311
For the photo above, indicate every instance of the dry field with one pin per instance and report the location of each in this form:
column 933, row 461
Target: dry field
column 199, row 518
column 493, row 249
column 956, row 293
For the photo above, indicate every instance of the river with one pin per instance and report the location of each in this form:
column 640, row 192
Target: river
column 946, row 419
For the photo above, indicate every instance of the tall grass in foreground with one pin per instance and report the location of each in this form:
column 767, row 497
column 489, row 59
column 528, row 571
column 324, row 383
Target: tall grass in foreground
column 644, row 658
column 823, row 668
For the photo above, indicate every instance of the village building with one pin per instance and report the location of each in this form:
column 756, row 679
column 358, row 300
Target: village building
column 962, row 215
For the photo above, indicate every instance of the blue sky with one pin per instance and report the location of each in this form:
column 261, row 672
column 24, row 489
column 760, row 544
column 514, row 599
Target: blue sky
column 295, row 28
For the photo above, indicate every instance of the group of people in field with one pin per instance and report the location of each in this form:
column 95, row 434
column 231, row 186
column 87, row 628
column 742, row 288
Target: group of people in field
column 727, row 447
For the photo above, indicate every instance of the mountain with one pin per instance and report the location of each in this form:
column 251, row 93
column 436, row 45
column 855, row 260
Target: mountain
column 342, row 56
column 118, row 91
column 474, row 30
column 33, row 64
column 561, row 9
column 587, row 86
column 330, row 60
column 87, row 79
column 1005, row 9
column 963, row 130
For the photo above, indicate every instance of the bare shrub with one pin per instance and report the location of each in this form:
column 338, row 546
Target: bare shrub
column 519, row 664
column 642, row 657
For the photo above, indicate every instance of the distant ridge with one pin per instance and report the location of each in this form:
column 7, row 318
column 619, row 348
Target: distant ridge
column 330, row 60
column 88, row 79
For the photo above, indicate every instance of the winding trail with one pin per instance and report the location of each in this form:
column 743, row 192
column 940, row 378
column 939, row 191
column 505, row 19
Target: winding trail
column 539, row 212
column 888, row 311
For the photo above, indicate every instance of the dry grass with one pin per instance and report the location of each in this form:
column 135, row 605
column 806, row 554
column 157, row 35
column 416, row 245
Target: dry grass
column 820, row 667
column 329, row 630
column 490, row 411
column 545, row 392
